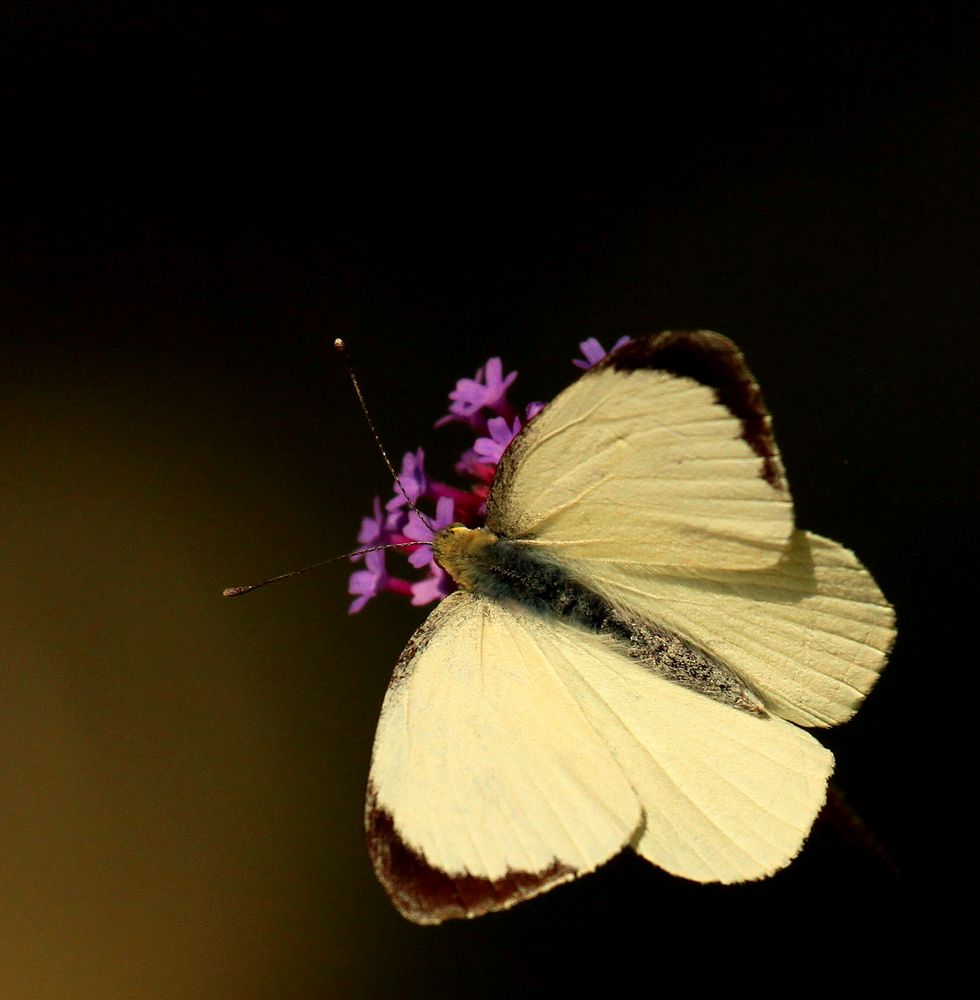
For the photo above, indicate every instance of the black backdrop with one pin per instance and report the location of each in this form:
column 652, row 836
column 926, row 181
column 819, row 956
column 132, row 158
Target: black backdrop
column 195, row 204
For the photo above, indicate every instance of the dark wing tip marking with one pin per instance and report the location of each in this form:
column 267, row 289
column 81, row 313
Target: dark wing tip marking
column 714, row 361
column 426, row 895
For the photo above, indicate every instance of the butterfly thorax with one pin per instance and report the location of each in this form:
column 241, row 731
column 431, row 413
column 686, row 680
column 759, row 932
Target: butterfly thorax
column 513, row 572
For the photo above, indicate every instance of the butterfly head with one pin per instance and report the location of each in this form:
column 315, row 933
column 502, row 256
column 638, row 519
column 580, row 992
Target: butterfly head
column 457, row 549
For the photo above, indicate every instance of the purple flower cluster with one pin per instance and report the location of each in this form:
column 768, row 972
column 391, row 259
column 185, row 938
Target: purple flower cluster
column 481, row 403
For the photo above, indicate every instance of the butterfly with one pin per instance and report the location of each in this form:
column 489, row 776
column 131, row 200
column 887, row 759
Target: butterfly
column 640, row 640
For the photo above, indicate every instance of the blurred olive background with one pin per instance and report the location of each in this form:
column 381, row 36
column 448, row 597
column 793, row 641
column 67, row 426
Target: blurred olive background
column 194, row 206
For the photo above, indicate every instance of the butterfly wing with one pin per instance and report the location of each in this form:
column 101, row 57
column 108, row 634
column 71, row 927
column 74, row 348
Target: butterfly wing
column 727, row 796
column 670, row 501
column 488, row 784
column 514, row 753
column 810, row 634
column 663, row 453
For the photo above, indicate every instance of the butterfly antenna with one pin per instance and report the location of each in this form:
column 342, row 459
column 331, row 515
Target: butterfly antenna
column 341, row 348
column 238, row 591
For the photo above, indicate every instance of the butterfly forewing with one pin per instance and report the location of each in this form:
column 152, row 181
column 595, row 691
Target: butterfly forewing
column 488, row 783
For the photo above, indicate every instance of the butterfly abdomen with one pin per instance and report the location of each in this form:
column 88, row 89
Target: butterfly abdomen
column 508, row 571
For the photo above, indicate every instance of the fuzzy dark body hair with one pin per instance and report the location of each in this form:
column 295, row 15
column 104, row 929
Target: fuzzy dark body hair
column 514, row 572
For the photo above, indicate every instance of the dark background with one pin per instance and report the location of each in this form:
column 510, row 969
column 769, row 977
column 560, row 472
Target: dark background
column 194, row 206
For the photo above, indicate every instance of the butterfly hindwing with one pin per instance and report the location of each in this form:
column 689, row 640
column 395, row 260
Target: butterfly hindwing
column 809, row 634
column 727, row 796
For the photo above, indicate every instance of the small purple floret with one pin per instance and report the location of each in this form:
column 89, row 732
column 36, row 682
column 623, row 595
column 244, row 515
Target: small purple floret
column 367, row 583
column 489, row 449
column 594, row 352
column 488, row 390
column 437, row 585
column 372, row 528
column 413, row 478
column 418, row 531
